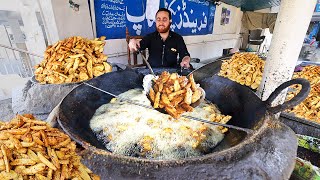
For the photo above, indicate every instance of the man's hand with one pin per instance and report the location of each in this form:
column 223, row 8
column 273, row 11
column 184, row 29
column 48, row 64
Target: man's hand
column 134, row 45
column 185, row 62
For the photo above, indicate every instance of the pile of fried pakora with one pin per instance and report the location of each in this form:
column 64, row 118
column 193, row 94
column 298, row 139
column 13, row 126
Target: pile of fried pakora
column 174, row 93
column 310, row 107
column 31, row 149
column 247, row 69
column 243, row 68
column 73, row 59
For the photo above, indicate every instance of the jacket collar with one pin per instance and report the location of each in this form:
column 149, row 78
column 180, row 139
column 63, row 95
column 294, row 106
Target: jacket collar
column 169, row 36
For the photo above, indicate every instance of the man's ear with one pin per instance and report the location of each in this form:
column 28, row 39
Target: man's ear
column 170, row 21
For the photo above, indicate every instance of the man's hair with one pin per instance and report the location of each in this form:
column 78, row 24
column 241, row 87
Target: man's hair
column 165, row 10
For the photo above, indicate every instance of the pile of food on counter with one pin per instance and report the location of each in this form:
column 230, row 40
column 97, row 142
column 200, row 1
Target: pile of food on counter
column 243, row 68
column 73, row 59
column 132, row 130
column 247, row 69
column 310, row 108
column 30, row 149
column 174, row 93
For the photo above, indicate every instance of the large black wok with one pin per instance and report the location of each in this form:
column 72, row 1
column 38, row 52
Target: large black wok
column 268, row 153
column 298, row 125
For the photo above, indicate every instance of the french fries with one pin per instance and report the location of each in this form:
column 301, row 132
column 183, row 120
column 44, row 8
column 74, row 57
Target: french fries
column 73, row 59
column 243, row 68
column 31, row 149
column 174, row 93
column 310, row 108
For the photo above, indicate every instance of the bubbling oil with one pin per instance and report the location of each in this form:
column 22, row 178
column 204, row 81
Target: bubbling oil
column 131, row 130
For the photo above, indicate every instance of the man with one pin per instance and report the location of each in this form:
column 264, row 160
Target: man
column 313, row 41
column 163, row 44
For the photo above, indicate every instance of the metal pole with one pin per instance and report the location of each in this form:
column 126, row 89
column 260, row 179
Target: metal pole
column 21, row 50
column 44, row 23
column 290, row 29
column 93, row 18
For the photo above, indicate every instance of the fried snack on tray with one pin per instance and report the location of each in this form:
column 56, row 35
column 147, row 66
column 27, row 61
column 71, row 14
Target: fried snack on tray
column 31, row 149
column 174, row 93
column 243, row 68
column 310, row 108
column 73, row 59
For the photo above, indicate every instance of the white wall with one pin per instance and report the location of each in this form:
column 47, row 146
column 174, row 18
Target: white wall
column 34, row 39
column 223, row 37
column 9, row 5
column 70, row 22
column 61, row 21
column 205, row 47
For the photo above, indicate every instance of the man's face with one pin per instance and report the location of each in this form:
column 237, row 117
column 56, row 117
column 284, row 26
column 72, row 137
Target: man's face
column 162, row 22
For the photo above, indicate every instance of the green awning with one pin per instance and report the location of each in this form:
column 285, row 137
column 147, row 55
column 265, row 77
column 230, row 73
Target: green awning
column 251, row 5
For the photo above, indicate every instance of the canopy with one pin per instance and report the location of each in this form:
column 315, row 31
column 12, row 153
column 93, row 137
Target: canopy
column 251, row 5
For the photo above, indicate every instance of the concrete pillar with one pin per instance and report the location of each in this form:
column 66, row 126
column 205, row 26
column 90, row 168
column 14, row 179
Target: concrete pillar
column 290, row 29
column 46, row 9
column 35, row 40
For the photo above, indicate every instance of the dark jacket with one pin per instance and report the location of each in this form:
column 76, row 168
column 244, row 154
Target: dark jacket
column 164, row 54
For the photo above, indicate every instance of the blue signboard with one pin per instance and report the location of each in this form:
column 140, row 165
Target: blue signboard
column 317, row 9
column 189, row 17
column 110, row 18
column 137, row 22
column 314, row 30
